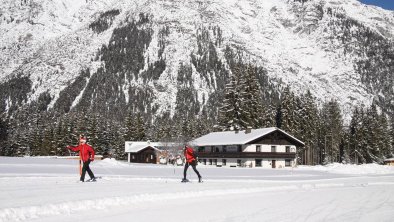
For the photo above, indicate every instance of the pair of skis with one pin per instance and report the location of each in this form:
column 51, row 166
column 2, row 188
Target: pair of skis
column 188, row 181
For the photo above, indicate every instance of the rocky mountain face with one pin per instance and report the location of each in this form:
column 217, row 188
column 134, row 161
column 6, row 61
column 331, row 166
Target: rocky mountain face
column 172, row 58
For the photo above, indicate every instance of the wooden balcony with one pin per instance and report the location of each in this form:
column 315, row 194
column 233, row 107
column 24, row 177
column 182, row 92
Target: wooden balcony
column 245, row 155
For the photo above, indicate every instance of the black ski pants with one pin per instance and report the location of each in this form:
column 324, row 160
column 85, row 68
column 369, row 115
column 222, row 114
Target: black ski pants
column 193, row 164
column 85, row 168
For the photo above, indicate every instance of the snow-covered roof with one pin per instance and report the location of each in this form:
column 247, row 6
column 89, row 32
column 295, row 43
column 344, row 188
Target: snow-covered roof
column 236, row 138
column 136, row 146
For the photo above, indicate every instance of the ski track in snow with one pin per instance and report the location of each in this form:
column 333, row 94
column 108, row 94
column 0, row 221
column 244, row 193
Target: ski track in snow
column 39, row 189
column 71, row 207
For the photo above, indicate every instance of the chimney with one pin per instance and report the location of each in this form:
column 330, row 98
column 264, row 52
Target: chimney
column 248, row 130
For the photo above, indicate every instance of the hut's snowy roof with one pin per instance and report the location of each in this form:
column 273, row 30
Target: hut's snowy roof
column 136, row 146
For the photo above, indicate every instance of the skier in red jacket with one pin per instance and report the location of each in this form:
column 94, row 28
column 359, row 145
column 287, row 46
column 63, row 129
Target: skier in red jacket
column 87, row 156
column 190, row 160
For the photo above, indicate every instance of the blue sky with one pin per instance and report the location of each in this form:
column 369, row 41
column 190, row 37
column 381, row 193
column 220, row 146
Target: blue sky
column 386, row 4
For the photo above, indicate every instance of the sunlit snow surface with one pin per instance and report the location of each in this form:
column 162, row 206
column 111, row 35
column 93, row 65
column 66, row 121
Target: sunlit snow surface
column 47, row 189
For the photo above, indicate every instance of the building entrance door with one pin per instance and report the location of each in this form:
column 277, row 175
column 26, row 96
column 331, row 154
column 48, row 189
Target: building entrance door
column 273, row 163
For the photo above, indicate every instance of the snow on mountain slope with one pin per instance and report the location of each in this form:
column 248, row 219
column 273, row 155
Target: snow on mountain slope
column 51, row 42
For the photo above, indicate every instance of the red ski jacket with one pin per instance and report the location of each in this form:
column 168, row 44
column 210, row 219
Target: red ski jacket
column 86, row 151
column 189, row 154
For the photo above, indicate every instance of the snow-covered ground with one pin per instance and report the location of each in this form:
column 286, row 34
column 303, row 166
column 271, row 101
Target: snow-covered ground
column 47, row 189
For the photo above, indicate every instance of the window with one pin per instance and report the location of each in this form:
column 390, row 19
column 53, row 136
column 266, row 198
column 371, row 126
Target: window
column 258, row 148
column 239, row 163
column 287, row 149
column 232, row 148
column 273, row 149
column 224, row 149
column 224, row 162
column 287, row 163
column 258, row 163
column 239, row 148
column 201, row 149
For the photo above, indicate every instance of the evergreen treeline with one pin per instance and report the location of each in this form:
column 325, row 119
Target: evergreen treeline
column 368, row 138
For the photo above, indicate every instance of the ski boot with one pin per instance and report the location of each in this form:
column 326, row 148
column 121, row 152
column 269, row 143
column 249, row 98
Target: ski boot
column 91, row 180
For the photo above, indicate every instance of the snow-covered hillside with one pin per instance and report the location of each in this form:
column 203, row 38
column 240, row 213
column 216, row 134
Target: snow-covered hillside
column 47, row 189
column 51, row 42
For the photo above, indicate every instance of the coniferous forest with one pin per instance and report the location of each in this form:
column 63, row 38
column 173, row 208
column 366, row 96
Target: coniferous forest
column 242, row 96
column 367, row 138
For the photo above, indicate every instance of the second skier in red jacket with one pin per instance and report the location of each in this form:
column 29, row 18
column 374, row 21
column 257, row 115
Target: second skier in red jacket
column 190, row 160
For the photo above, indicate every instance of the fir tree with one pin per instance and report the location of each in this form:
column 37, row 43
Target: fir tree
column 332, row 130
column 140, row 128
column 47, row 147
column 309, row 126
column 357, row 133
column 129, row 127
column 3, row 136
column 392, row 135
column 253, row 98
column 230, row 112
column 287, row 112
column 384, row 140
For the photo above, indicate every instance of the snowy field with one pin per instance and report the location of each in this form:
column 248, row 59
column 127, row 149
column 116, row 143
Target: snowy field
column 47, row 189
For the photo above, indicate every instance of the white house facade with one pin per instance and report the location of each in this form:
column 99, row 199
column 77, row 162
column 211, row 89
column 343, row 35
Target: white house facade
column 266, row 148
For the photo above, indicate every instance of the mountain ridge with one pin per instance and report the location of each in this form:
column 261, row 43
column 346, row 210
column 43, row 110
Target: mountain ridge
column 294, row 42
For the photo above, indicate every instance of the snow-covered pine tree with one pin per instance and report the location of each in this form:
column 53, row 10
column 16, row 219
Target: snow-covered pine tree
column 47, row 146
column 384, row 140
column 186, row 130
column 92, row 132
column 231, row 113
column 392, row 135
column 163, row 130
column 309, row 127
column 140, row 128
column 373, row 135
column 59, row 138
column 3, row 135
column 36, row 135
column 288, row 107
column 129, row 134
column 253, row 98
column 332, row 130
column 357, row 139
column 204, row 125
column 345, row 154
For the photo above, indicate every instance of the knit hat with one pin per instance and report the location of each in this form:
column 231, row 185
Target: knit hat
column 82, row 139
